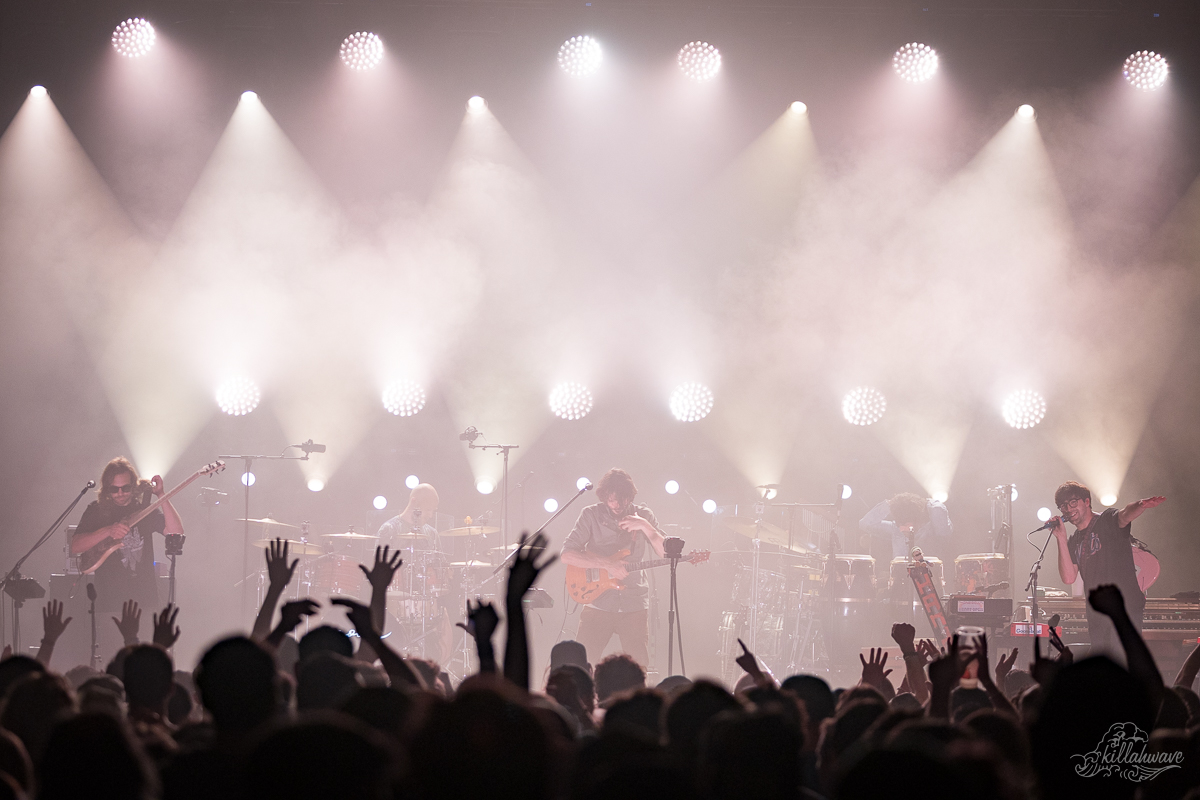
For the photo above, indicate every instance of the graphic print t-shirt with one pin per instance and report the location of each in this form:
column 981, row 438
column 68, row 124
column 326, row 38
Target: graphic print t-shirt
column 1103, row 551
column 127, row 574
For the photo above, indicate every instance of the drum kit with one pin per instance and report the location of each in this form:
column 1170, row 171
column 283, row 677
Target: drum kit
column 441, row 569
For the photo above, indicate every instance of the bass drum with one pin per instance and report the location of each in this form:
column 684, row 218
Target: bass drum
column 334, row 574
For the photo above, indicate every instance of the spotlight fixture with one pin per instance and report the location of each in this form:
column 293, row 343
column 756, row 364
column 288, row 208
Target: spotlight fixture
column 1044, row 514
column 570, row 400
column 915, row 62
column 247, row 479
column 580, row 56
column 1013, row 497
column 249, row 95
column 864, row 406
column 37, row 91
column 380, row 502
column 700, row 61
column 798, row 108
column 477, row 105
column 941, row 497
column 846, row 491
column 238, row 396
column 691, row 402
column 361, row 51
column 315, row 484
column 403, row 398
column 1025, row 111
column 582, row 482
column 485, row 487
column 672, row 487
column 133, row 38
column 1146, row 70
column 412, row 481
column 551, row 505
column 1023, row 408
column 1109, row 499
column 709, row 506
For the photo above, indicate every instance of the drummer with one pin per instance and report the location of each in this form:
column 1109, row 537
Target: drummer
column 909, row 520
column 419, row 516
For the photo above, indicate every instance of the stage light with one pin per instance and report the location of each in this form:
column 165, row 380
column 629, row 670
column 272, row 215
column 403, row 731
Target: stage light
column 315, row 484
column 846, row 491
column 799, row 108
column 37, row 91
column 1146, row 70
column 133, row 38
column 1014, row 494
column 361, row 51
column 403, row 398
column 238, row 396
column 1025, row 111
column 691, row 402
column 485, row 487
column 1024, row 408
column 709, row 506
column 1044, row 514
column 551, row 505
column 672, row 487
column 412, row 481
column 771, row 493
column 380, row 502
column 941, row 497
column 864, row 406
column 570, row 400
column 582, row 482
column 247, row 479
column 915, row 62
column 700, row 61
column 580, row 56
column 1108, row 499
column 249, row 95
column 476, row 105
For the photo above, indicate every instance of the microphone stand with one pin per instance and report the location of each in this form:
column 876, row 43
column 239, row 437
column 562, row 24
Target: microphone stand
column 503, row 448
column 587, row 488
column 308, row 448
column 91, row 593
column 21, row 589
column 673, row 549
column 1033, row 579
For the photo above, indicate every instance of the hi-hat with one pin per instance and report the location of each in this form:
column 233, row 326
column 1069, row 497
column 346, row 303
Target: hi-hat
column 295, row 547
column 470, row 530
column 268, row 522
column 348, row 535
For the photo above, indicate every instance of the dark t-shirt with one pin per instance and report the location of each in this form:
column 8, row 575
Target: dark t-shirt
column 1103, row 551
column 127, row 574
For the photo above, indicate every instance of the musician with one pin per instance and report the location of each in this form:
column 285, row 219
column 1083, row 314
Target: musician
column 419, row 516
column 128, row 573
column 600, row 536
column 909, row 520
column 1101, row 549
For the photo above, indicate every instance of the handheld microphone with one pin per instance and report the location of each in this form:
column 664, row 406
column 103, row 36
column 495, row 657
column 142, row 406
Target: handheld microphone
column 588, row 488
column 90, row 485
column 1050, row 523
column 469, row 435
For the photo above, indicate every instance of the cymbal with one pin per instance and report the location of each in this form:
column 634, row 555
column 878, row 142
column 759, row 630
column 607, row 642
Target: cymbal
column 348, row 535
column 500, row 548
column 470, row 564
column 409, row 535
column 268, row 522
column 294, row 547
column 765, row 531
column 470, row 530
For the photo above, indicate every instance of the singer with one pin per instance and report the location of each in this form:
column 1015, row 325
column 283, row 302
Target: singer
column 1101, row 550
column 605, row 535
column 129, row 573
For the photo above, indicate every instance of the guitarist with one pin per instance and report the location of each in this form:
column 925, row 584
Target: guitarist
column 604, row 536
column 127, row 574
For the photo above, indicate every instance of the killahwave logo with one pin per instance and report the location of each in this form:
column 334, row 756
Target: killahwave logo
column 1122, row 752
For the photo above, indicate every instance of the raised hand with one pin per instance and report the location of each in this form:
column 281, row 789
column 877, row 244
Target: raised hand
column 381, row 574
column 482, row 620
column 53, row 624
column 525, row 569
column 293, row 613
column 166, row 632
column 903, row 635
column 279, row 573
column 929, row 651
column 359, row 615
column 1003, row 666
column 157, row 486
column 1107, row 600
column 872, row 671
column 7, row 654
column 130, row 621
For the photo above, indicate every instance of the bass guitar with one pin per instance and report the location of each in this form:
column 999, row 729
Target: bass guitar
column 585, row 584
column 91, row 559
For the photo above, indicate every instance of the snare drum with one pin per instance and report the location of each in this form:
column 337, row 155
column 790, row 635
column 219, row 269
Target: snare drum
column 850, row 577
column 975, row 571
column 902, row 585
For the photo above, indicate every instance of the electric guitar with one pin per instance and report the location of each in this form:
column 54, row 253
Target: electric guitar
column 585, row 584
column 91, row 559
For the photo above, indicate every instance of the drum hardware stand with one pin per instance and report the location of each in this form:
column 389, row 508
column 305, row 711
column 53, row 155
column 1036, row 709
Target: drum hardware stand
column 1001, row 497
column 308, row 448
column 673, row 549
column 91, row 594
column 469, row 436
column 172, row 547
column 21, row 589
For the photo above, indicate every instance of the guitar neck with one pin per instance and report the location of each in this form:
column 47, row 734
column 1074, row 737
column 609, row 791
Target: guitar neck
column 150, row 509
column 640, row 565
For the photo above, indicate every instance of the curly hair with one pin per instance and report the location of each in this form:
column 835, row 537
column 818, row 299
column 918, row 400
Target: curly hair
column 1071, row 490
column 908, row 509
column 616, row 482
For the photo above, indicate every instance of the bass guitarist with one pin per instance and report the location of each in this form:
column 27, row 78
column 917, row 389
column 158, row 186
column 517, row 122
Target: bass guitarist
column 604, row 536
column 128, row 573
